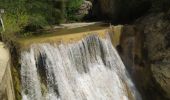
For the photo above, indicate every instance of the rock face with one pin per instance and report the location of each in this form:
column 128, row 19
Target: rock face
column 119, row 10
column 162, row 75
column 157, row 43
column 149, row 70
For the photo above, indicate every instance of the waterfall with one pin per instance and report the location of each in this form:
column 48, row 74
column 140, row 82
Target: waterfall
column 89, row 69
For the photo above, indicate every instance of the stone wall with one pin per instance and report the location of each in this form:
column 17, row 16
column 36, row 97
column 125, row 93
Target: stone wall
column 6, row 86
column 6, row 82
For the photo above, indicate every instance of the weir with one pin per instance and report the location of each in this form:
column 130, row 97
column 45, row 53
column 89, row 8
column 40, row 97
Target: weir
column 75, row 66
column 88, row 69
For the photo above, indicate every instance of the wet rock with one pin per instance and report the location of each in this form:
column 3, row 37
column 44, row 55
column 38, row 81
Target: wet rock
column 155, row 28
column 161, row 73
column 142, row 45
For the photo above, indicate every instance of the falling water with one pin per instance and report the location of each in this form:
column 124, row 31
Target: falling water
column 90, row 69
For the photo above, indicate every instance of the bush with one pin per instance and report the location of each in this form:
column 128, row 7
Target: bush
column 14, row 24
column 35, row 22
column 71, row 9
column 29, row 15
column 74, row 4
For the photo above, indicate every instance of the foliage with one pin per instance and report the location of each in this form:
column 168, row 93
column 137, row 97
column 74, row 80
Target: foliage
column 29, row 15
column 71, row 9
column 74, row 4
column 25, row 16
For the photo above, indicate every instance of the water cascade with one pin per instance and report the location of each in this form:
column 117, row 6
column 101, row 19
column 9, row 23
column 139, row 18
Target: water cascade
column 89, row 69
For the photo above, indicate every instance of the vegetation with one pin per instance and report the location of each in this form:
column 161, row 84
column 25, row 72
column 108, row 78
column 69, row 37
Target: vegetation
column 25, row 16
column 71, row 9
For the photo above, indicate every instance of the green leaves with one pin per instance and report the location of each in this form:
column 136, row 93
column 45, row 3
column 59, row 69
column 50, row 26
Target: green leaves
column 30, row 15
column 74, row 4
column 20, row 15
column 71, row 9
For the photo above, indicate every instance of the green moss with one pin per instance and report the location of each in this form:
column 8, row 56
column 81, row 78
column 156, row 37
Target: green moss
column 44, row 89
column 17, row 83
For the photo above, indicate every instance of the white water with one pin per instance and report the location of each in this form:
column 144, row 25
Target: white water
column 90, row 69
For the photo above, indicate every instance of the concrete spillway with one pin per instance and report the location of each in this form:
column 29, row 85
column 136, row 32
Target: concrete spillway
column 73, row 66
column 89, row 69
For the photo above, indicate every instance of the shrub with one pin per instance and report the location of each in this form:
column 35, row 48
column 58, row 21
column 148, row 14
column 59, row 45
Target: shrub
column 29, row 15
column 71, row 9
column 74, row 4
column 35, row 22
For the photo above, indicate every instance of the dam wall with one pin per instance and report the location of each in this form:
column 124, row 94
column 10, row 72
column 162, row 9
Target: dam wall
column 10, row 76
column 6, row 82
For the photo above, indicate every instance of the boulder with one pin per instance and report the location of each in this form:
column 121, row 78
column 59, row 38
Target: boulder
column 84, row 9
